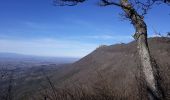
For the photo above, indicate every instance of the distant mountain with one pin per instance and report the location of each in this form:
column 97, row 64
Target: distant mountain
column 11, row 55
column 14, row 56
column 13, row 60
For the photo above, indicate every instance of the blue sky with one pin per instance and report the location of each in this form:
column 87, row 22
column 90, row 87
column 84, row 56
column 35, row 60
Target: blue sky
column 36, row 27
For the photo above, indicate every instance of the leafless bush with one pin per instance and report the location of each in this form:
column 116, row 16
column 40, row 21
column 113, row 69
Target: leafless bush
column 6, row 92
column 165, row 80
column 141, row 84
column 102, row 89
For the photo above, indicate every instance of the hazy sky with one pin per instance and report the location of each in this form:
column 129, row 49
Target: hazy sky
column 37, row 27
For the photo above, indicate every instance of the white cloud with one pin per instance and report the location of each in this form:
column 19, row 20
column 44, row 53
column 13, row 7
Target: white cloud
column 105, row 37
column 100, row 37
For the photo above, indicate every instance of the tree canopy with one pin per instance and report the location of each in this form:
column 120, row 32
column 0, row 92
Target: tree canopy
column 140, row 6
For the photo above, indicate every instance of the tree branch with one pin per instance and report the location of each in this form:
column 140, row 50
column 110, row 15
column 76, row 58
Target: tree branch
column 67, row 2
column 107, row 3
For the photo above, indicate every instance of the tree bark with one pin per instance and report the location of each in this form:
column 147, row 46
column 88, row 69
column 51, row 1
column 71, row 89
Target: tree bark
column 147, row 67
column 143, row 50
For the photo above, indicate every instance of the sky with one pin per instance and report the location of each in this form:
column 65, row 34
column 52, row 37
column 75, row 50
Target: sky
column 37, row 27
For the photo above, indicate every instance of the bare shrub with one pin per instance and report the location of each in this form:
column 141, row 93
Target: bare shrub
column 6, row 92
column 102, row 89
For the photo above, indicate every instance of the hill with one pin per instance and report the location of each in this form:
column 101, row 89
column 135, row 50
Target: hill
column 117, row 65
column 119, row 58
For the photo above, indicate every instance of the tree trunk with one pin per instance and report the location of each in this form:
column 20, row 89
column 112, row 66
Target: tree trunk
column 143, row 50
column 145, row 58
column 147, row 67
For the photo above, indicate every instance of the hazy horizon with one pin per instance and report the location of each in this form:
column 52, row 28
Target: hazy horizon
column 31, row 55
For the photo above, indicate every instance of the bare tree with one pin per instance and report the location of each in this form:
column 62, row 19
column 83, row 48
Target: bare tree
column 134, row 11
column 166, row 1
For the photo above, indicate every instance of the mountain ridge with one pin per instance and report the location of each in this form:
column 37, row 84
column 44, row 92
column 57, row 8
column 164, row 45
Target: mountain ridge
column 119, row 62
